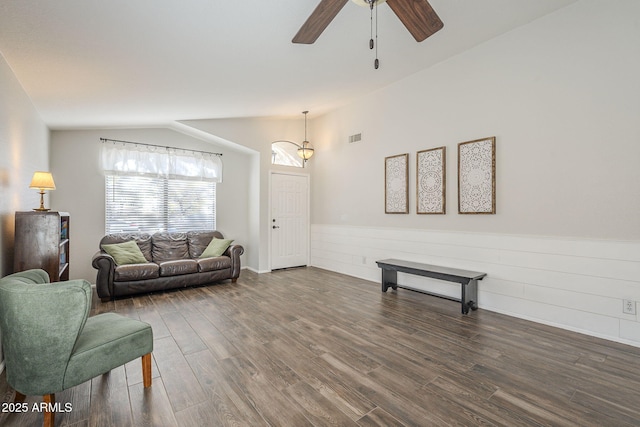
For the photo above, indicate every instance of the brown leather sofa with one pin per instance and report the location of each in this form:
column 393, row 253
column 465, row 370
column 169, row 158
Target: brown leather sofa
column 172, row 262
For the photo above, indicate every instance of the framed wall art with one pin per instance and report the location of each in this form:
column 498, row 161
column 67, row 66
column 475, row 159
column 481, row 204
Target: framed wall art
column 396, row 184
column 477, row 176
column 431, row 181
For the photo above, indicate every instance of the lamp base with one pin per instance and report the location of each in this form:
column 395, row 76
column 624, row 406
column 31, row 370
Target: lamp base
column 41, row 208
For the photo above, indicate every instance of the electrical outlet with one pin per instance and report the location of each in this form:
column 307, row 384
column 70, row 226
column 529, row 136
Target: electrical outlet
column 628, row 306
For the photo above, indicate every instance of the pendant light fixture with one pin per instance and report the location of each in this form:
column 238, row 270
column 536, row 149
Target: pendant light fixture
column 306, row 150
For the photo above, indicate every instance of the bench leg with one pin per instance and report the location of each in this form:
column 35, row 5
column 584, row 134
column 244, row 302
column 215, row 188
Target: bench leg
column 389, row 278
column 469, row 298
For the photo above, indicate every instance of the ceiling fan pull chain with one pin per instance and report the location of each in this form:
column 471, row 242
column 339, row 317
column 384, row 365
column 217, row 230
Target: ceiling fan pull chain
column 376, row 63
column 371, row 24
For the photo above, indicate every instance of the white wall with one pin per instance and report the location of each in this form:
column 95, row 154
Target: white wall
column 561, row 96
column 24, row 149
column 80, row 188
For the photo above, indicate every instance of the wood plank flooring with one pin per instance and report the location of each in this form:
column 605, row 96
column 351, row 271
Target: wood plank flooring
column 309, row 347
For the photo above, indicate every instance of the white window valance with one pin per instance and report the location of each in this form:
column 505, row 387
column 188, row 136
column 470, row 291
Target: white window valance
column 118, row 158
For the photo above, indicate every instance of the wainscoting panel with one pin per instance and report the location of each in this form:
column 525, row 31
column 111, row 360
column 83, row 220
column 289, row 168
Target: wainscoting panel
column 575, row 284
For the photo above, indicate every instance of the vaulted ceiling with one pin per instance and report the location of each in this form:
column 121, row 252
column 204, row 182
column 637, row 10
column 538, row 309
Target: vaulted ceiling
column 127, row 63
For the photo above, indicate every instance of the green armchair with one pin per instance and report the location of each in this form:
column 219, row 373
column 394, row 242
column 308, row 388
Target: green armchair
column 51, row 344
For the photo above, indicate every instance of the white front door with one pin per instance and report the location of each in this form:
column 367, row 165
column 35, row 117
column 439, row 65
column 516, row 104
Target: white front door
column 289, row 220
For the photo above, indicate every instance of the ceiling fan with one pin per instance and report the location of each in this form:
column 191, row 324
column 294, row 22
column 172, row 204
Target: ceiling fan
column 417, row 16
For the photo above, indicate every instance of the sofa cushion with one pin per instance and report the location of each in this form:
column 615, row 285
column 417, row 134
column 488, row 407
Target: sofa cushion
column 132, row 272
column 216, row 248
column 177, row 267
column 142, row 239
column 199, row 240
column 215, row 263
column 169, row 246
column 125, row 253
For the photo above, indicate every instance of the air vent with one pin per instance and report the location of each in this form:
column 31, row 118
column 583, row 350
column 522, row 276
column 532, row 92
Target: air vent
column 355, row 138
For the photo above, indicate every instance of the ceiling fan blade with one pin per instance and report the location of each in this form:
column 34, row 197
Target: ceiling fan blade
column 319, row 19
column 418, row 16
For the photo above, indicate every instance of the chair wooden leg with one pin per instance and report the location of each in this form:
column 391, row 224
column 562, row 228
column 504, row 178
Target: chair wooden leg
column 146, row 370
column 19, row 397
column 49, row 416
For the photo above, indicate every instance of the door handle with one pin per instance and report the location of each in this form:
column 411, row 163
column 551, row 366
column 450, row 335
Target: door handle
column 276, row 226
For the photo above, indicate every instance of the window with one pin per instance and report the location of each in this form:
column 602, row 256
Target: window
column 285, row 153
column 150, row 204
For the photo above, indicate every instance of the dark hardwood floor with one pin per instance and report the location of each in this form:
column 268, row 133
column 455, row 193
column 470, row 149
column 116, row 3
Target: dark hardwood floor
column 308, row 347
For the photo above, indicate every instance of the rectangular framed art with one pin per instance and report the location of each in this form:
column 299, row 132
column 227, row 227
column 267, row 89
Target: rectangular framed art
column 477, row 176
column 396, row 184
column 431, row 181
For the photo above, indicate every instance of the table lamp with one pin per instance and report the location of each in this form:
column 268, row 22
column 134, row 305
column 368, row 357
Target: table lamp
column 42, row 181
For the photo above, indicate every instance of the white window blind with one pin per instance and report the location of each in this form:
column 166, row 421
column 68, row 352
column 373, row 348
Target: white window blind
column 150, row 204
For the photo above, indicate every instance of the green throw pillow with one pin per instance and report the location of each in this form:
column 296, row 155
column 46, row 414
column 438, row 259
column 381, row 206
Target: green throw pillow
column 125, row 253
column 216, row 247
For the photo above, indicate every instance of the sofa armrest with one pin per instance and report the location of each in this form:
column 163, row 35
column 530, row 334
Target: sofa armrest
column 234, row 252
column 106, row 266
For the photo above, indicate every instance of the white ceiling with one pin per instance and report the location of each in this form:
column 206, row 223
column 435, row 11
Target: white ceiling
column 142, row 62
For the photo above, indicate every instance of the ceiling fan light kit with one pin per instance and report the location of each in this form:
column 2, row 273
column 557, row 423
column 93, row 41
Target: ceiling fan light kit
column 417, row 16
column 367, row 3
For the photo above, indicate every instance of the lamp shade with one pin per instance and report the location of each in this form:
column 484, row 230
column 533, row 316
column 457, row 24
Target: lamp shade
column 42, row 181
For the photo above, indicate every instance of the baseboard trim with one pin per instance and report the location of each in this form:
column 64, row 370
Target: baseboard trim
column 256, row 271
column 565, row 327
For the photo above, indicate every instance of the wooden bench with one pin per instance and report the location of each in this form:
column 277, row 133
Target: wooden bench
column 468, row 279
